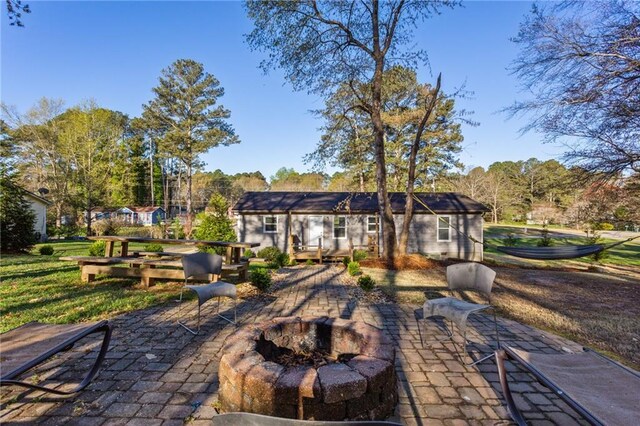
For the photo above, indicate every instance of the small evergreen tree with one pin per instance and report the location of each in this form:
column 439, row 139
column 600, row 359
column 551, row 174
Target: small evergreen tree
column 215, row 224
column 16, row 217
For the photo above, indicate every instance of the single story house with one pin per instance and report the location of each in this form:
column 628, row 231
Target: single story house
column 39, row 207
column 146, row 216
column 341, row 220
column 100, row 213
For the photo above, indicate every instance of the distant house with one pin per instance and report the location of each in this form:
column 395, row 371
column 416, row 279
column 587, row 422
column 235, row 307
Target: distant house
column 340, row 220
column 147, row 216
column 126, row 215
column 39, row 207
column 100, row 213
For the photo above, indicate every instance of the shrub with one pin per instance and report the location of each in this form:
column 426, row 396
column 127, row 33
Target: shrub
column 248, row 254
column 66, row 231
column 597, row 239
column 360, row 255
column 137, row 231
column 293, row 262
column 282, row 259
column 346, row 260
column 46, row 250
column 366, row 283
column 353, row 268
column 16, row 217
column 106, row 227
column 260, row 278
column 545, row 241
column 269, row 254
column 309, row 262
column 97, row 248
column 510, row 240
column 215, row 224
column 604, row 226
column 154, row 247
column 177, row 229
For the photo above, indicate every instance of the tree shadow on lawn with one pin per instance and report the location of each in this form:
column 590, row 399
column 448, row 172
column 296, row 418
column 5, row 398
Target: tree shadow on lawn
column 41, row 273
column 584, row 306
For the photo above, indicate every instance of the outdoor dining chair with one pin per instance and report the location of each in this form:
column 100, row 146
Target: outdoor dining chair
column 463, row 276
column 206, row 264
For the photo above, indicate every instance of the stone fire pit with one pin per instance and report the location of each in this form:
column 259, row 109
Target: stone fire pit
column 309, row 368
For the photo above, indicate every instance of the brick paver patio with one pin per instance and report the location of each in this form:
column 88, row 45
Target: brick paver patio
column 157, row 373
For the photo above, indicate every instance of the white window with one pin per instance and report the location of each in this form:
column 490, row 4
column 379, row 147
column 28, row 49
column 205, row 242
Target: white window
column 270, row 224
column 371, row 224
column 444, row 230
column 339, row 227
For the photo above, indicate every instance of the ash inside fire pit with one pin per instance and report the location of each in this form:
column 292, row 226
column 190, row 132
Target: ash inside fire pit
column 309, row 368
column 313, row 355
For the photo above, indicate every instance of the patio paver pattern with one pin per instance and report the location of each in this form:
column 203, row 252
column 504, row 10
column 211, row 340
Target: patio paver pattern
column 156, row 373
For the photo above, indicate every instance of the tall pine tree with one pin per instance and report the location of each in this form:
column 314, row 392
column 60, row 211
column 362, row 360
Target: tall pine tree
column 185, row 114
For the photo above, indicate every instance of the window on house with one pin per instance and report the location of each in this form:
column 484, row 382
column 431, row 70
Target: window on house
column 270, row 224
column 339, row 227
column 444, row 230
column 371, row 224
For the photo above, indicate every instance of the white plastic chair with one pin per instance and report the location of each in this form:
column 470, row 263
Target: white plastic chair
column 463, row 276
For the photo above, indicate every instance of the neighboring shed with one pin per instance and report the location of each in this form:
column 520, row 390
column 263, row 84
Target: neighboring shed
column 338, row 221
column 39, row 206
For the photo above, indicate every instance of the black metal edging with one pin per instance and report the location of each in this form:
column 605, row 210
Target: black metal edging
column 102, row 326
column 506, row 353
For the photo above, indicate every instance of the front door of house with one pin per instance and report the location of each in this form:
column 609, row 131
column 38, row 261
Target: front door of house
column 315, row 230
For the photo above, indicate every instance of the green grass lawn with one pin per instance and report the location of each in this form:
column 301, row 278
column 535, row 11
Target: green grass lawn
column 627, row 254
column 43, row 288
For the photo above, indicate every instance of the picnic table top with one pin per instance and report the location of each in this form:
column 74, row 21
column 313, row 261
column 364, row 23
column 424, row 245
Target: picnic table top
column 175, row 241
column 134, row 261
column 127, row 260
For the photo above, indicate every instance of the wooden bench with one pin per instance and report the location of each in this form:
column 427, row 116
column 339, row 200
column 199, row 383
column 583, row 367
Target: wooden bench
column 240, row 268
column 148, row 270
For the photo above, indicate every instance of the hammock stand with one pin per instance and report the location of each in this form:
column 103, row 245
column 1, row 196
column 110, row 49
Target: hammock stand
column 538, row 253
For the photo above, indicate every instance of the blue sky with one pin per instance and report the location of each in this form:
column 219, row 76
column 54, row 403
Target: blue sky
column 113, row 52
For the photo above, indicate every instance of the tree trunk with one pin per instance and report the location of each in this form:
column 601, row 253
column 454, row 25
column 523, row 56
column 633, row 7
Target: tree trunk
column 165, row 188
column 403, row 245
column 58, row 208
column 89, row 208
column 151, row 179
column 389, row 242
column 189, row 227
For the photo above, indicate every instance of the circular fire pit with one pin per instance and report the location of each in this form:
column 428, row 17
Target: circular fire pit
column 309, row 368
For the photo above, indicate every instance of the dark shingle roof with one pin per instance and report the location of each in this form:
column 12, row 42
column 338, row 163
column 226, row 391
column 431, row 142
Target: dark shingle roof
column 351, row 202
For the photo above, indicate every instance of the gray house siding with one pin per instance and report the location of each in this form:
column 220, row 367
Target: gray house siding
column 423, row 233
column 423, row 236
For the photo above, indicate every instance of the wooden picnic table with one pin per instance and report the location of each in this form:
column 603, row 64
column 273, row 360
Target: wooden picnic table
column 233, row 249
column 148, row 270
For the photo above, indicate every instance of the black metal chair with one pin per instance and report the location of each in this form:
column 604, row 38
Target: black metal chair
column 208, row 266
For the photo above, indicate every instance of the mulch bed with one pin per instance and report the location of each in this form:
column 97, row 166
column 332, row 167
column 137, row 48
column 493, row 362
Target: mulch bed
column 401, row 263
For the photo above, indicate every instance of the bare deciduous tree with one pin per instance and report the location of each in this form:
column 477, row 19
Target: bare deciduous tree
column 580, row 62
